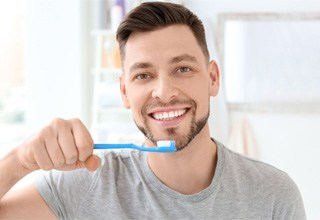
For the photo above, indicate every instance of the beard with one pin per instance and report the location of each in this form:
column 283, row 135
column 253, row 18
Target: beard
column 182, row 140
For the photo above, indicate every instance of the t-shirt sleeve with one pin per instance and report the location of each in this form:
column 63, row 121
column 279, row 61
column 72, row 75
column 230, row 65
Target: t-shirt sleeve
column 65, row 191
column 295, row 211
column 293, row 207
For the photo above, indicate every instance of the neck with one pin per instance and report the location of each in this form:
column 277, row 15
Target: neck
column 188, row 171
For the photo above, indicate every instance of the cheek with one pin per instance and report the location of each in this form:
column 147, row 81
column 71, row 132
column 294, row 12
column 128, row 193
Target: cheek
column 137, row 98
column 203, row 102
column 200, row 92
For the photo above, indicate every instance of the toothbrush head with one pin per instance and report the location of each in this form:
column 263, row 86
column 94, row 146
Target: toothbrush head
column 166, row 146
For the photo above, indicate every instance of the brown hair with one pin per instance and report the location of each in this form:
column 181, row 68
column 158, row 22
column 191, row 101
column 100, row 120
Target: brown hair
column 150, row 16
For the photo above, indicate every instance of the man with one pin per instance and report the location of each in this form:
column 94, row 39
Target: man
column 167, row 82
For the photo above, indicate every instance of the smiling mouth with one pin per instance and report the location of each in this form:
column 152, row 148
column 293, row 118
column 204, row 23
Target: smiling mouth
column 168, row 115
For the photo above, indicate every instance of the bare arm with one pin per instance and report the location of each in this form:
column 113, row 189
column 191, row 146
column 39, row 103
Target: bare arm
column 25, row 203
column 63, row 145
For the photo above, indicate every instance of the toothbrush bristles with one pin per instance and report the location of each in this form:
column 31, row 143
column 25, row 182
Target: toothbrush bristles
column 166, row 144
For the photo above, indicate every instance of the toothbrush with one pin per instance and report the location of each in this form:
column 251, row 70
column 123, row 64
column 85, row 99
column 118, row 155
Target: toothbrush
column 162, row 147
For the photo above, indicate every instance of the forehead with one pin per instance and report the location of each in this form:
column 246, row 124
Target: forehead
column 161, row 44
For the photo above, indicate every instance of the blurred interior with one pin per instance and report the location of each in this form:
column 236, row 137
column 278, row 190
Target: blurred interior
column 59, row 59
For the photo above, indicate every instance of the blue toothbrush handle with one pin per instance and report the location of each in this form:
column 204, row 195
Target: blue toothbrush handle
column 136, row 147
column 115, row 146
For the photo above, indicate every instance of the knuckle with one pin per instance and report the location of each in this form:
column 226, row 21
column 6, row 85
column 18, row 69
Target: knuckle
column 46, row 131
column 57, row 158
column 83, row 146
column 58, row 122
column 75, row 121
column 72, row 158
column 84, row 149
column 59, row 162
column 90, row 143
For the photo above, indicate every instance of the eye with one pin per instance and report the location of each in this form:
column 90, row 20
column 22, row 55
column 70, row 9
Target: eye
column 142, row 76
column 183, row 69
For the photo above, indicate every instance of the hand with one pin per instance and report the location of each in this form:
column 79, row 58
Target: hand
column 62, row 145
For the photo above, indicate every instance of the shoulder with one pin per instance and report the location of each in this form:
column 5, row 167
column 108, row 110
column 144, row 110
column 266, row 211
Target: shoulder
column 258, row 186
column 257, row 176
column 251, row 168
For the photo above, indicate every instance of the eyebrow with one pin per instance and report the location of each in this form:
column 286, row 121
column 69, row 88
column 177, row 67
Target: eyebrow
column 183, row 57
column 177, row 59
column 139, row 65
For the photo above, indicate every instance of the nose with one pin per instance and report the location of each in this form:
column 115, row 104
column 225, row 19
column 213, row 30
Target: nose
column 165, row 89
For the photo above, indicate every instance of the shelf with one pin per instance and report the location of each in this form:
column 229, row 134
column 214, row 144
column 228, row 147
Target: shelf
column 109, row 118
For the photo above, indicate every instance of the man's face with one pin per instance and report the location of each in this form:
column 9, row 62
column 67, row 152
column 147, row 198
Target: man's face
column 167, row 83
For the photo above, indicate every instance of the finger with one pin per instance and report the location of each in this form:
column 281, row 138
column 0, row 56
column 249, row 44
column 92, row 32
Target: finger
column 68, row 146
column 83, row 139
column 53, row 148
column 43, row 160
column 41, row 156
column 92, row 163
column 65, row 140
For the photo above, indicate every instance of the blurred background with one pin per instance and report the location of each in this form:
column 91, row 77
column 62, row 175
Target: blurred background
column 60, row 59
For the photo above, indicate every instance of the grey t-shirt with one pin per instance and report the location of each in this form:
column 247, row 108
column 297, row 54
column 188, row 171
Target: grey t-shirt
column 124, row 187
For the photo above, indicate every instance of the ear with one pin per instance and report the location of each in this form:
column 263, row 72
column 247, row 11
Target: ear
column 214, row 78
column 123, row 91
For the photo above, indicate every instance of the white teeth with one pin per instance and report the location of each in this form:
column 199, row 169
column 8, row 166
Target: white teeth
column 165, row 116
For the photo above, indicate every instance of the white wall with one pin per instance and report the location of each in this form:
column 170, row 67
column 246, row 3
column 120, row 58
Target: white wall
column 55, row 61
column 287, row 140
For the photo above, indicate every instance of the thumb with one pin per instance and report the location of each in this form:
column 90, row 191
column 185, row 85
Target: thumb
column 92, row 163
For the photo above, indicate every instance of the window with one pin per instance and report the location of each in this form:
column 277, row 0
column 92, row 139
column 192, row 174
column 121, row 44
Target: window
column 271, row 59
